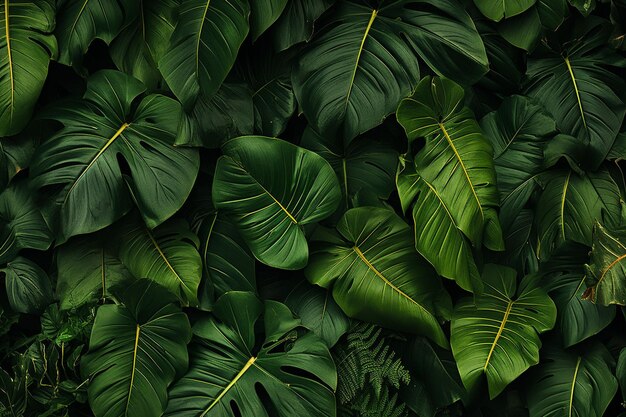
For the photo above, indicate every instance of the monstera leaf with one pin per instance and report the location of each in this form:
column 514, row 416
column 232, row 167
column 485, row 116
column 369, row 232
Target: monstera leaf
column 204, row 46
column 572, row 79
column 354, row 73
column 495, row 334
column 88, row 267
column 136, row 350
column 79, row 22
column 26, row 46
column 167, row 254
column 570, row 204
column 106, row 157
column 568, row 383
column 21, row 224
column 606, row 272
column 271, row 203
column 376, row 275
column 28, row 287
column 288, row 373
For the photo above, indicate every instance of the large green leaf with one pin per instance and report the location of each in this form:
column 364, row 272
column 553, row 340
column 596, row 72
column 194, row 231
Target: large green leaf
column 21, row 224
column 26, row 46
column 136, row 350
column 606, row 272
column 204, row 46
column 573, row 79
column 354, row 74
column 499, row 9
column 167, row 255
column 570, row 204
column 568, row 383
column 263, row 14
column 270, row 203
column 495, row 334
column 28, row 287
column 288, row 373
column 438, row 237
column 377, row 276
column 79, row 22
column 138, row 48
column 457, row 159
column 296, row 23
column 88, row 267
column 108, row 156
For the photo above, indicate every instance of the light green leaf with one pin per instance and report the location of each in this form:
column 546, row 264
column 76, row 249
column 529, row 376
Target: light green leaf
column 606, row 271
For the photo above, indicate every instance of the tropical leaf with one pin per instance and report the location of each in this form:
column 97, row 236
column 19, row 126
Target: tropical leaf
column 496, row 334
column 271, row 203
column 136, row 350
column 28, row 286
column 296, row 23
column 572, row 79
column 79, row 22
column 355, row 72
column 568, row 383
column 26, row 47
column 523, row 30
column 263, row 14
column 457, row 159
column 606, row 270
column 318, row 312
column 167, row 255
column 570, row 204
column 204, row 46
column 88, row 268
column 15, row 155
column 497, row 10
column 86, row 162
column 292, row 373
column 376, row 275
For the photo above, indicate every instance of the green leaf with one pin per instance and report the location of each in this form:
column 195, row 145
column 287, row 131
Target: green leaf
column 21, row 224
column 79, row 22
column 15, row 155
column 270, row 203
column 376, row 275
column 88, row 267
column 573, row 79
column 263, row 14
column 457, row 159
column 572, row 384
column 570, row 204
column 438, row 237
column 498, row 9
column 496, row 333
column 288, row 373
column 26, row 47
column 606, row 268
column 138, row 48
column 136, row 350
column 167, row 255
column 204, row 46
column 102, row 140
column 552, row 12
column 353, row 75
column 28, row 287
column 318, row 311
column 585, row 7
column 522, row 31
column 296, row 23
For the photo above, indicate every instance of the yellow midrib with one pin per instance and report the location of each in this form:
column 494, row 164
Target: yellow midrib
column 458, row 157
column 132, row 375
column 611, row 265
column 230, row 385
column 6, row 27
column 500, row 330
column 95, row 158
column 206, row 9
column 571, row 393
column 565, row 185
column 580, row 104
column 358, row 56
column 162, row 255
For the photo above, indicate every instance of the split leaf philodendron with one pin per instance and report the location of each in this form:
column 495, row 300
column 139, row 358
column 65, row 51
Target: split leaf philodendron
column 327, row 208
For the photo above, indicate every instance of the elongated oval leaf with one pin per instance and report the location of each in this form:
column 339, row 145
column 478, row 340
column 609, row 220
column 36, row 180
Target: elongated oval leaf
column 136, row 350
column 26, row 46
column 101, row 137
column 28, row 287
column 270, row 203
column 263, row 14
column 227, row 372
column 496, row 333
column 377, row 276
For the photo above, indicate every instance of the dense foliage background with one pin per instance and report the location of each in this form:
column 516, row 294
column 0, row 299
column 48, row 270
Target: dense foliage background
column 314, row 208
